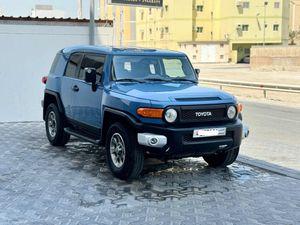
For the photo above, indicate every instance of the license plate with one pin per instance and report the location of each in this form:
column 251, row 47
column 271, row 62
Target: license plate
column 210, row 132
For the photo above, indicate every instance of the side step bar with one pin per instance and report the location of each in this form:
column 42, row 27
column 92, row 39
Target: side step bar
column 82, row 136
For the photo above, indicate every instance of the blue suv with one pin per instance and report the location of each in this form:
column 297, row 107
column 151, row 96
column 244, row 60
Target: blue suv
column 139, row 103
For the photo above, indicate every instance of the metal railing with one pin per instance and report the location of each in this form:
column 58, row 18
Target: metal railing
column 253, row 85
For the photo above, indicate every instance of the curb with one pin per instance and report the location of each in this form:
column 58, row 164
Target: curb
column 270, row 167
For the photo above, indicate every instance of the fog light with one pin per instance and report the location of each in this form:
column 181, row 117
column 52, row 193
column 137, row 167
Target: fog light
column 231, row 112
column 153, row 141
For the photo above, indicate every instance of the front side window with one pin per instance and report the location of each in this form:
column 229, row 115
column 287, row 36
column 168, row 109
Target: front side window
column 152, row 68
column 92, row 61
column 73, row 64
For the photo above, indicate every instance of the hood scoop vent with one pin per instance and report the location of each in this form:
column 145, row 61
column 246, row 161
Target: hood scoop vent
column 198, row 99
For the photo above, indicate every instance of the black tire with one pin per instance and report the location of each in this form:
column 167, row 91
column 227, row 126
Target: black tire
column 222, row 159
column 133, row 162
column 60, row 138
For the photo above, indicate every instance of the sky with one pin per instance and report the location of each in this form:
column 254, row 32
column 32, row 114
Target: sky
column 23, row 7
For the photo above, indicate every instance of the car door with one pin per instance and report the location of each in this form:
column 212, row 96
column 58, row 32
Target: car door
column 67, row 83
column 87, row 103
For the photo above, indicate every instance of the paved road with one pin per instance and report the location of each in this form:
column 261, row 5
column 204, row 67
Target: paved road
column 275, row 134
column 41, row 184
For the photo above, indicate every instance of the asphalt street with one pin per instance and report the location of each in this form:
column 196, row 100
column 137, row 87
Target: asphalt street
column 274, row 134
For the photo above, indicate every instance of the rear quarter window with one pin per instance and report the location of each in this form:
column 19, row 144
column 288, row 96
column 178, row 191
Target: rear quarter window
column 54, row 64
column 73, row 65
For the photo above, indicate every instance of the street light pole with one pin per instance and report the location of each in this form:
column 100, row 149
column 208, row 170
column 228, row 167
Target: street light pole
column 265, row 12
column 92, row 23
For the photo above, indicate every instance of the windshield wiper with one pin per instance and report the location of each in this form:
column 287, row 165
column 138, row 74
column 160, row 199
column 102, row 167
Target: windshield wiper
column 157, row 79
column 130, row 80
column 184, row 79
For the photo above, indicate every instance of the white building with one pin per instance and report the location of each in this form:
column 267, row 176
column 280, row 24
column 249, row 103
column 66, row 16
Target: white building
column 48, row 11
column 28, row 47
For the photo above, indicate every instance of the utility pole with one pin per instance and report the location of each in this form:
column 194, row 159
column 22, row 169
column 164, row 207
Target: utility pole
column 265, row 12
column 92, row 23
column 79, row 9
column 121, row 26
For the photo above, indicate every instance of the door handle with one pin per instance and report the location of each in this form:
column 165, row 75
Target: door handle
column 75, row 88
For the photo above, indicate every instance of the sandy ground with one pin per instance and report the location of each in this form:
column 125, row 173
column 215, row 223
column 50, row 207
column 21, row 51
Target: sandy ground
column 242, row 72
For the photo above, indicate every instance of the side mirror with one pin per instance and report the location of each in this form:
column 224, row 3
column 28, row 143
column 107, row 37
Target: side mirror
column 90, row 75
column 197, row 72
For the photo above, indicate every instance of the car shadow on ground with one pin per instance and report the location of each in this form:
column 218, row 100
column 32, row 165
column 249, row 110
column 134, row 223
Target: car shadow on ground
column 159, row 181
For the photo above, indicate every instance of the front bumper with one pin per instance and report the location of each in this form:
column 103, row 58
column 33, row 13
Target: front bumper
column 180, row 141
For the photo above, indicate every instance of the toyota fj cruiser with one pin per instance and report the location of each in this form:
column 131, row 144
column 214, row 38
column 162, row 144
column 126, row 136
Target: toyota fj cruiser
column 139, row 103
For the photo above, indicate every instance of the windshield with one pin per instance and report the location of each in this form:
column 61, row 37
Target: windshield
column 152, row 68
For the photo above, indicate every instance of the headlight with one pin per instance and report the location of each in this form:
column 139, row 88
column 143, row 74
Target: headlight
column 171, row 115
column 231, row 112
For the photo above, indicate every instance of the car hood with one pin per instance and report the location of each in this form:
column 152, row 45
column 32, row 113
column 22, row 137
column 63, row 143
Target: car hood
column 170, row 92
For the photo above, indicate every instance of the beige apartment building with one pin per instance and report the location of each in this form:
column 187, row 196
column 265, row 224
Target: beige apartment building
column 124, row 22
column 207, row 30
column 295, row 15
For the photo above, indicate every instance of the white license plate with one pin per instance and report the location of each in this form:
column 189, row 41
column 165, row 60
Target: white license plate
column 210, row 132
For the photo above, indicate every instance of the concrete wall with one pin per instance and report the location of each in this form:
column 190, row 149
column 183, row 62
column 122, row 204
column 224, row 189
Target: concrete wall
column 27, row 52
column 275, row 58
column 206, row 52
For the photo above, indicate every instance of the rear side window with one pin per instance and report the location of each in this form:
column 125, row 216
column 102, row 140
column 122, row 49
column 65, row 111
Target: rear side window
column 73, row 64
column 92, row 61
column 55, row 62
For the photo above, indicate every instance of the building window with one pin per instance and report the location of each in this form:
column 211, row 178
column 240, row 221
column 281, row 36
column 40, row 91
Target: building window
column 199, row 8
column 222, row 45
column 162, row 34
column 142, row 35
column 199, row 30
column 276, row 5
column 142, row 15
column 150, row 11
column 150, row 30
column 194, row 57
column 276, row 27
column 247, row 51
column 245, row 27
column 246, row 5
column 195, row 46
column 166, row 8
column 221, row 56
column 167, row 29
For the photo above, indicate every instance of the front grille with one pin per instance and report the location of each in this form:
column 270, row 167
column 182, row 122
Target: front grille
column 203, row 114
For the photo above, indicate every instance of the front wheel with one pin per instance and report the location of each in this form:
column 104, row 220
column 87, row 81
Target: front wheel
column 222, row 159
column 124, row 158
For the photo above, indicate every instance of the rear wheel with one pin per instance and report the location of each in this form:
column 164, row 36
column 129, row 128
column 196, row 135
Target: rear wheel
column 54, row 127
column 124, row 158
column 222, row 159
